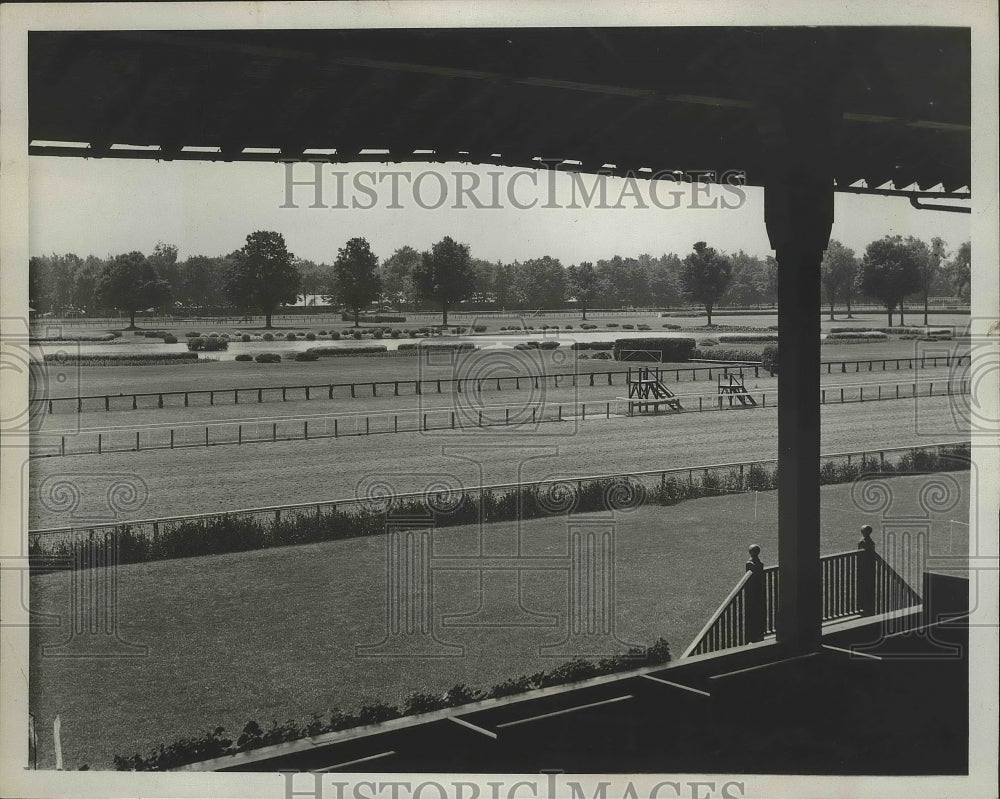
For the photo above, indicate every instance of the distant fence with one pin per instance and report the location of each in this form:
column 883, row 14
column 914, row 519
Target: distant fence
column 305, row 315
column 559, row 494
column 428, row 419
column 259, row 394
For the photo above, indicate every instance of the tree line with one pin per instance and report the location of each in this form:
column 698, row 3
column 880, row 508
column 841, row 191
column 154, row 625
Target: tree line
column 263, row 275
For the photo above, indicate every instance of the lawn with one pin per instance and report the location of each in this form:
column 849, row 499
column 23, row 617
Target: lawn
column 271, row 635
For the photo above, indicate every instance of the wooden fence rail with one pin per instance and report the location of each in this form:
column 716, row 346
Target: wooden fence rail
column 456, row 416
column 147, row 400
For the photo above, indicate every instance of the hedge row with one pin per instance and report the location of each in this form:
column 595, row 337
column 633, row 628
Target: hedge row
column 419, row 346
column 592, row 345
column 871, row 335
column 74, row 338
column 215, row 743
column 371, row 320
column 333, row 352
column 235, row 533
column 747, row 338
column 537, row 345
column 724, row 354
column 669, row 350
column 124, row 359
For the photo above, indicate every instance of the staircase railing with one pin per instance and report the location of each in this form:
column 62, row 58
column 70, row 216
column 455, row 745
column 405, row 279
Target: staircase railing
column 854, row 583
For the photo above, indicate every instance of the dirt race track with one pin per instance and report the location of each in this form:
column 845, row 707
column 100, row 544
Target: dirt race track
column 205, row 480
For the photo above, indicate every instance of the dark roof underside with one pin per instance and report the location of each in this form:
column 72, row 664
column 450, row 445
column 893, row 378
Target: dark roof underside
column 634, row 98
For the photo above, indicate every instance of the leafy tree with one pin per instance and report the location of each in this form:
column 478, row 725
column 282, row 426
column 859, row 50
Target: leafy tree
column 889, row 272
column 262, row 274
column 583, row 285
column 626, row 279
column 541, row 283
column 355, row 276
column 445, row 274
column 749, row 280
column 705, row 276
column 837, row 271
column 663, row 279
column 315, row 277
column 202, row 281
column 129, row 283
column 163, row 259
column 396, row 272
column 929, row 271
column 958, row 272
column 84, row 292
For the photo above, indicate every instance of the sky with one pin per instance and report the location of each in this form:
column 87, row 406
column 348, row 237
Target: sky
column 108, row 206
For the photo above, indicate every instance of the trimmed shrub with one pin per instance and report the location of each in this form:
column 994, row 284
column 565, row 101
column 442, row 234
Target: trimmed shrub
column 450, row 345
column 268, row 357
column 642, row 327
column 479, row 328
column 592, row 345
column 245, row 356
column 245, row 337
column 612, row 324
column 213, row 335
column 670, row 350
column 769, row 359
column 290, row 336
column 723, row 354
column 628, row 327
column 310, row 336
column 306, row 356
column 192, row 334
column 851, row 338
column 670, row 326
column 207, row 344
column 548, row 345
column 334, row 335
column 169, row 339
column 747, row 338
column 268, row 337
column 333, row 352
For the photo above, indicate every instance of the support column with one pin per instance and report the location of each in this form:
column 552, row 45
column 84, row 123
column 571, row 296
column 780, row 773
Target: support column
column 798, row 120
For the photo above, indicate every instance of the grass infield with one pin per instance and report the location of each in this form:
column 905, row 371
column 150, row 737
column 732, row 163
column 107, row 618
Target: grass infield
column 271, row 635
